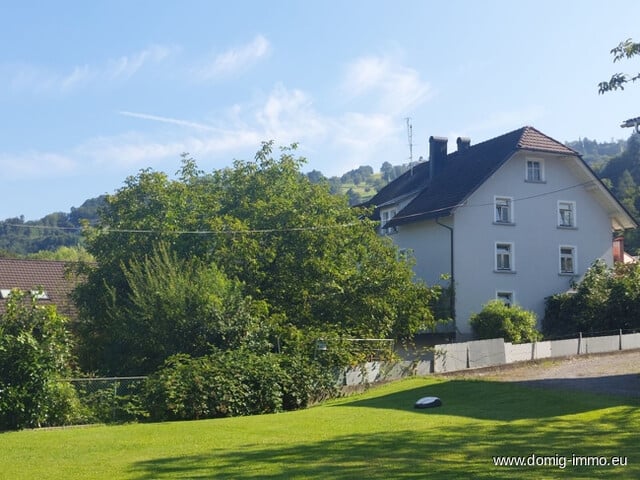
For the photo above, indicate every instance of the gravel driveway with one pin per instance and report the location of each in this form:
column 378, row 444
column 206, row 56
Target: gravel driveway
column 616, row 373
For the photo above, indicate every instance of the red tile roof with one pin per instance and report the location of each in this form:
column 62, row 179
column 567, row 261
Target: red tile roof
column 532, row 139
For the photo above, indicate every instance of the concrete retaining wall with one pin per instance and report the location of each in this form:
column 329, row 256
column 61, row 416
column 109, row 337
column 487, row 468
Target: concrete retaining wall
column 450, row 357
column 630, row 341
column 486, row 353
column 453, row 357
column 519, row 352
column 566, row 348
column 610, row 343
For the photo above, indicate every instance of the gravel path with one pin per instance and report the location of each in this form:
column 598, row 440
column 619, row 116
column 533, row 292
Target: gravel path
column 616, row 373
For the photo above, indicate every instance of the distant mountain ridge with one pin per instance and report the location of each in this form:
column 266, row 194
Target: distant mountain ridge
column 610, row 160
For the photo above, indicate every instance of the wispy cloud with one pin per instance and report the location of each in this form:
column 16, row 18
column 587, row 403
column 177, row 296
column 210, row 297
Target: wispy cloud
column 24, row 77
column 395, row 88
column 172, row 121
column 128, row 65
column 235, row 59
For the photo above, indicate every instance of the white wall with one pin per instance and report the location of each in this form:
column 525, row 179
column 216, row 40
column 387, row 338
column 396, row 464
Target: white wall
column 535, row 236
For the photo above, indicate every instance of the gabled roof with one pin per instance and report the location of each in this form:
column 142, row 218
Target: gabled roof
column 462, row 173
column 30, row 275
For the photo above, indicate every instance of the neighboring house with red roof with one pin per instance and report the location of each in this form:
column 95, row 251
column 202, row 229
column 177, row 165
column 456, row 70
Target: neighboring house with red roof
column 517, row 218
column 50, row 278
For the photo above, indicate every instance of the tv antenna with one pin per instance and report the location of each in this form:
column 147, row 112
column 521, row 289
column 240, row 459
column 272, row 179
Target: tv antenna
column 410, row 135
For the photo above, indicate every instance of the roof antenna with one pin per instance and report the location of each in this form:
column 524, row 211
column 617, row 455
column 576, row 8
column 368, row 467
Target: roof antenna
column 410, row 135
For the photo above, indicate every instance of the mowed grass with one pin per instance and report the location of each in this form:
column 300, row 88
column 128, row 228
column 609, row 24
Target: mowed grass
column 375, row 435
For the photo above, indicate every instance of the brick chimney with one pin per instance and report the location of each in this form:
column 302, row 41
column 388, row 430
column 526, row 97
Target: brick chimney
column 463, row 143
column 618, row 250
column 437, row 155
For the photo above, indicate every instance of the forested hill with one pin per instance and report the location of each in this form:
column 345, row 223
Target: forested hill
column 19, row 237
column 616, row 162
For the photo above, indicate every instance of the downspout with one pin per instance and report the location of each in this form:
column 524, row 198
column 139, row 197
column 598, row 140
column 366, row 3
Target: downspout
column 452, row 300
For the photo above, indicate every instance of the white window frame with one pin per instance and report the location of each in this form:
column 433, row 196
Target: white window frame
column 500, row 255
column 563, row 255
column 385, row 217
column 509, row 207
column 540, row 170
column 572, row 209
column 507, row 297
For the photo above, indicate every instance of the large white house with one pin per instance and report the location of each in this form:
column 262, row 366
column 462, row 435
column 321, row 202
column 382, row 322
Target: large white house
column 517, row 218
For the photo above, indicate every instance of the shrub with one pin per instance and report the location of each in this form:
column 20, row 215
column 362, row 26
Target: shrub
column 605, row 300
column 223, row 384
column 34, row 354
column 233, row 383
column 498, row 320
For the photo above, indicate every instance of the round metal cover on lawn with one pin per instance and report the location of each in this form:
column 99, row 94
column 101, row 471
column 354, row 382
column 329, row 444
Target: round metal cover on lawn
column 428, row 402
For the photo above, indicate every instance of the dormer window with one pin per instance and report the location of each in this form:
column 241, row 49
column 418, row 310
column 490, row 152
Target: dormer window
column 40, row 294
column 503, row 210
column 385, row 217
column 535, row 171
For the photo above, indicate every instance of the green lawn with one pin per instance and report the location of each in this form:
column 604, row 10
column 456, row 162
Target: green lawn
column 376, row 435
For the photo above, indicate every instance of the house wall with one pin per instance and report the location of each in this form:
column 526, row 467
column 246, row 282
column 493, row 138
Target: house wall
column 430, row 246
column 535, row 236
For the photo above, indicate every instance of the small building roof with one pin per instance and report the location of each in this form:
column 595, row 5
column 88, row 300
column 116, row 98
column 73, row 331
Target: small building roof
column 51, row 277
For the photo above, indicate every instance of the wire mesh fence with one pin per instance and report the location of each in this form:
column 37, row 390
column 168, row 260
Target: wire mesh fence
column 108, row 399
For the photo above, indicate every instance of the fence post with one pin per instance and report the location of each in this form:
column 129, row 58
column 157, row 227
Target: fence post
column 579, row 343
column 620, row 339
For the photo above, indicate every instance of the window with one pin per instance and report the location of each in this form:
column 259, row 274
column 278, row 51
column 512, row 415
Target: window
column 566, row 214
column 385, row 216
column 39, row 294
column 503, row 210
column 567, row 260
column 505, row 297
column 535, row 171
column 504, row 257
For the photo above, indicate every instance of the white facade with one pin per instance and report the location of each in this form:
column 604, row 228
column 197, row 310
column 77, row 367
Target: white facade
column 517, row 239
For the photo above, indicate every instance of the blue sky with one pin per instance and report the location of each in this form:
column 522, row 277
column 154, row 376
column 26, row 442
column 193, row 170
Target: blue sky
column 93, row 91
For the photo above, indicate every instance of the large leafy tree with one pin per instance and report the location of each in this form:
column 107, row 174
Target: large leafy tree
column 316, row 266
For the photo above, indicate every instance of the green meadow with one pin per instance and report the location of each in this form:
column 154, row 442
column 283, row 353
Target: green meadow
column 374, row 435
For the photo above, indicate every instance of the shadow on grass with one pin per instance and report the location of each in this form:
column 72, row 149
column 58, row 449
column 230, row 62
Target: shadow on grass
column 490, row 400
column 501, row 419
column 627, row 385
column 461, row 451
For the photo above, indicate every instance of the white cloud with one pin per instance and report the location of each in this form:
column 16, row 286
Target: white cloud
column 24, row 77
column 235, row 59
column 35, row 164
column 128, row 65
column 289, row 116
column 396, row 89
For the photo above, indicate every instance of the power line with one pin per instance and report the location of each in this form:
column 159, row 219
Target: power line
column 277, row 230
column 195, row 232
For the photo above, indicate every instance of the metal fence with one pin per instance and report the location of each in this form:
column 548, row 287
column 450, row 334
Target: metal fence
column 108, row 399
